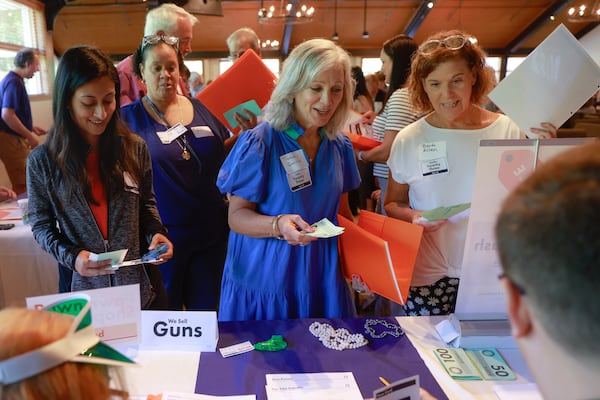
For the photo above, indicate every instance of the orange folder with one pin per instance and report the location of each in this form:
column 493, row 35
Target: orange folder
column 359, row 133
column 361, row 142
column 382, row 251
column 247, row 79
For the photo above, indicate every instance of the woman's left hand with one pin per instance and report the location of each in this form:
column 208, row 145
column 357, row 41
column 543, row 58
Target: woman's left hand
column 368, row 117
column 547, row 131
column 6, row 194
column 157, row 240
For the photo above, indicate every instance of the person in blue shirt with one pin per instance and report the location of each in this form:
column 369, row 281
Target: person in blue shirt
column 17, row 133
column 187, row 147
column 290, row 171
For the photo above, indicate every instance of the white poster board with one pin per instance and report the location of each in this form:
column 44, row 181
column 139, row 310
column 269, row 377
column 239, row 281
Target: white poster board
column 501, row 165
column 551, row 84
column 116, row 312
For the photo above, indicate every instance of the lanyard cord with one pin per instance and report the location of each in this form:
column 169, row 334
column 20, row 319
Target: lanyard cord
column 185, row 146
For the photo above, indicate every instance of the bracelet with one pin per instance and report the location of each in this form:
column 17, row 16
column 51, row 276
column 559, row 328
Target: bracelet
column 388, row 328
column 360, row 155
column 275, row 232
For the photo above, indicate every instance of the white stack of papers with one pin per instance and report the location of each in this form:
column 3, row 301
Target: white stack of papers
column 317, row 386
column 194, row 396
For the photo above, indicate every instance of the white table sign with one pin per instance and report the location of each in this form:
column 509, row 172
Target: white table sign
column 180, row 330
column 501, row 166
column 115, row 312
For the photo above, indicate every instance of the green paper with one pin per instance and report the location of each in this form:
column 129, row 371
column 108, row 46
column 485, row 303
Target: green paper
column 250, row 105
column 444, row 212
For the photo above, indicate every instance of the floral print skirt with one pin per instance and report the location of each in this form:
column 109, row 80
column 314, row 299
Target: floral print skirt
column 436, row 299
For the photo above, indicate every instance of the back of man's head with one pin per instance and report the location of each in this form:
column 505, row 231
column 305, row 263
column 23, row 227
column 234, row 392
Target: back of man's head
column 165, row 18
column 23, row 57
column 241, row 40
column 548, row 238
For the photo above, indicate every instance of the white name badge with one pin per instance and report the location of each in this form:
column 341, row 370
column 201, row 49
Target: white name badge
column 433, row 158
column 166, row 137
column 115, row 312
column 296, row 167
column 202, row 131
column 180, row 330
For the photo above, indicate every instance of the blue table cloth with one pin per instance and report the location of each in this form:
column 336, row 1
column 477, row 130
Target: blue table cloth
column 389, row 357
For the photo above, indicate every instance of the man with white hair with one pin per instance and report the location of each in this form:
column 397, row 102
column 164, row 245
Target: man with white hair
column 168, row 20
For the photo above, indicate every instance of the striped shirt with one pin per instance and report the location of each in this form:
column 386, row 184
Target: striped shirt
column 397, row 114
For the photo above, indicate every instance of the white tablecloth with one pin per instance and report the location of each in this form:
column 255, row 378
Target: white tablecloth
column 422, row 334
column 25, row 269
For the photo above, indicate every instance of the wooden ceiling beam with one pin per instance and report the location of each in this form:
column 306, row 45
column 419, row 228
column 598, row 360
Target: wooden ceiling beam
column 543, row 19
column 417, row 20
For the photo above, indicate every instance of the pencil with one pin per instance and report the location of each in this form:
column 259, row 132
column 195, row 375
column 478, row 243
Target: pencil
column 384, row 381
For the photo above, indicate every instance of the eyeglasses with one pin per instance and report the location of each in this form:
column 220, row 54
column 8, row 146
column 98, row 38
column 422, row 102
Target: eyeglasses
column 454, row 42
column 519, row 287
column 154, row 39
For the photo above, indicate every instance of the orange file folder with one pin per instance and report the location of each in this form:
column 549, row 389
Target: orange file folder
column 361, row 142
column 247, row 79
column 382, row 251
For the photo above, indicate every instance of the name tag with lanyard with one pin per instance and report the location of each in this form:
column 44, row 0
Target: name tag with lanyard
column 296, row 166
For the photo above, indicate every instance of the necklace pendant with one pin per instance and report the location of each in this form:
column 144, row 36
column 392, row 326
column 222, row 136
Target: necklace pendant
column 186, row 155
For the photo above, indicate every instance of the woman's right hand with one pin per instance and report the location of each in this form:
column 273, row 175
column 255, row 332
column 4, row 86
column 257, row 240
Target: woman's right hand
column 86, row 267
column 291, row 226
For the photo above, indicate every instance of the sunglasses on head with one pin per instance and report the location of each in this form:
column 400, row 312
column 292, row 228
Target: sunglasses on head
column 154, row 39
column 454, row 42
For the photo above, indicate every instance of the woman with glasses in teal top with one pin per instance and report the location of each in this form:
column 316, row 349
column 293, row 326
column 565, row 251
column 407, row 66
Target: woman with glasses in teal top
column 187, row 147
column 432, row 161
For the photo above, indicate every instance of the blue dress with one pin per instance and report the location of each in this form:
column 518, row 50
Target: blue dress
column 189, row 203
column 266, row 278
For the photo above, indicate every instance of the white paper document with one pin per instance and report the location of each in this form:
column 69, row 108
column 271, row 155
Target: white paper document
column 195, row 396
column 551, row 84
column 317, row 386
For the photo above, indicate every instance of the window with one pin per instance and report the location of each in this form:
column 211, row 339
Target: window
column 22, row 25
column 195, row 66
column 271, row 63
column 494, row 62
column 512, row 63
column 371, row 65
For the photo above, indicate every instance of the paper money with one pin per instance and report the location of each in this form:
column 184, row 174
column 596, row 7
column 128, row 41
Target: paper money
column 324, row 229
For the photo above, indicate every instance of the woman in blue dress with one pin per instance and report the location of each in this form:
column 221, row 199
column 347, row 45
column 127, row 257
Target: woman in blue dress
column 186, row 144
column 287, row 173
